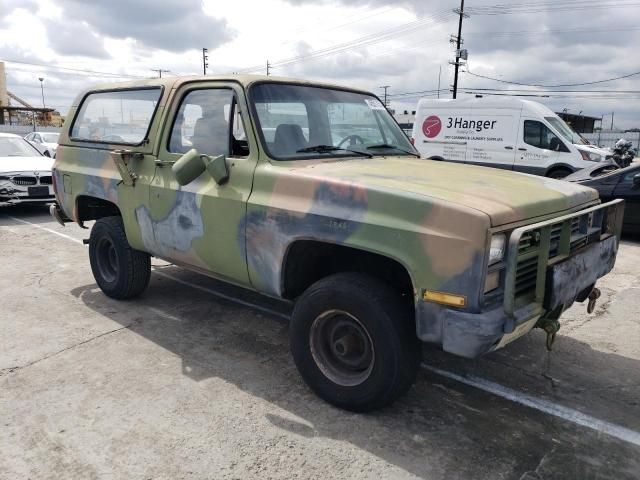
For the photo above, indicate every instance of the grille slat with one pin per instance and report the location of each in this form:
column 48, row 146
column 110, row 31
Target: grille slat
column 24, row 180
column 527, row 266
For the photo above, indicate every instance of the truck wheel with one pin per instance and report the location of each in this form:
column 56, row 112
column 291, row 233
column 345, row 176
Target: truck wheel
column 559, row 173
column 120, row 271
column 353, row 343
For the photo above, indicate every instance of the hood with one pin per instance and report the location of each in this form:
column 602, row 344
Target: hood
column 504, row 196
column 25, row 164
column 593, row 149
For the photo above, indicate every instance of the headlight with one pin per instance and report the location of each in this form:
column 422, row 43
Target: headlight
column 590, row 156
column 498, row 246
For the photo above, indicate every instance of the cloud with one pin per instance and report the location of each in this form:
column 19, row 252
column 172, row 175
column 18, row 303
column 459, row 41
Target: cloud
column 173, row 25
column 74, row 38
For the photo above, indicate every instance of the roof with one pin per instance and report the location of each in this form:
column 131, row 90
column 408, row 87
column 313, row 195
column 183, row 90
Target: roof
column 483, row 102
column 175, row 82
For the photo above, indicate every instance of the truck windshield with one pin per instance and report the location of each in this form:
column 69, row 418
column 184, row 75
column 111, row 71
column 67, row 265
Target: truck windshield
column 303, row 122
column 566, row 131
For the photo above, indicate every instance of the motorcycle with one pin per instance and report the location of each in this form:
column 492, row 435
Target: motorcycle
column 623, row 153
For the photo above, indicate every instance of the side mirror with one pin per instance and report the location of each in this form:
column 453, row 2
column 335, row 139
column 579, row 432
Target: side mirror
column 217, row 168
column 47, row 154
column 636, row 180
column 191, row 165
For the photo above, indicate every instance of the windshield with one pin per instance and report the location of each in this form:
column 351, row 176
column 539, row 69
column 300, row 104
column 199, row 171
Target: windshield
column 302, row 122
column 16, row 147
column 50, row 137
column 566, row 131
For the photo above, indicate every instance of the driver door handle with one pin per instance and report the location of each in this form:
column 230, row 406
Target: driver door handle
column 522, row 149
column 509, row 148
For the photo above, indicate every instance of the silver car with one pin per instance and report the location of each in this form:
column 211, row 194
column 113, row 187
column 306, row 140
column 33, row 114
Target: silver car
column 25, row 174
column 46, row 142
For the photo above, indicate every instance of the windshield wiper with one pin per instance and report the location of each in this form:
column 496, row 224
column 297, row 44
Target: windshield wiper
column 386, row 145
column 331, row 148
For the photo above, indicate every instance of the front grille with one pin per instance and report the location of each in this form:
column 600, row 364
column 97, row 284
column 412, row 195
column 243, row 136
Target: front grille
column 584, row 229
column 534, row 248
column 24, row 180
column 45, row 180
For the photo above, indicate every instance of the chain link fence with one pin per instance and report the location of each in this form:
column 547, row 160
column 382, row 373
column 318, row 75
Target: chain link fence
column 608, row 139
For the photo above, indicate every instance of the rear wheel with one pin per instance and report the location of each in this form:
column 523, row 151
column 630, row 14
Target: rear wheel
column 353, row 343
column 120, row 271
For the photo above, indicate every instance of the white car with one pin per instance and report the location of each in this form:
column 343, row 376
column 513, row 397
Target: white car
column 44, row 141
column 25, row 174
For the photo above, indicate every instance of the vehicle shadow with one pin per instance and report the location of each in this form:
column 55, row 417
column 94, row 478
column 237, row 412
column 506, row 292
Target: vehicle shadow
column 31, row 212
column 441, row 428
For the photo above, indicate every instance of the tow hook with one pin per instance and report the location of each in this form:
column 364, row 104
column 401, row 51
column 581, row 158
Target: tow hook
column 593, row 297
column 551, row 327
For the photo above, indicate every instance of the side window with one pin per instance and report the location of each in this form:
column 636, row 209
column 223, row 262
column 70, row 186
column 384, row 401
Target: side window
column 209, row 121
column 538, row 135
column 119, row 116
column 36, row 138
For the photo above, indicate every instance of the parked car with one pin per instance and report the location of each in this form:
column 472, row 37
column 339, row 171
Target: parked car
column 312, row 193
column 508, row 133
column 46, row 142
column 25, row 174
column 613, row 182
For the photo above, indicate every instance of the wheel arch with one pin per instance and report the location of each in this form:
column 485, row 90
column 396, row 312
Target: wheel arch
column 307, row 261
column 559, row 166
column 88, row 207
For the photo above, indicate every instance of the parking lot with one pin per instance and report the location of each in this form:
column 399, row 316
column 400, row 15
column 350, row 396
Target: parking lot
column 194, row 380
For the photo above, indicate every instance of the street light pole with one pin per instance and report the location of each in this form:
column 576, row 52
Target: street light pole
column 42, row 90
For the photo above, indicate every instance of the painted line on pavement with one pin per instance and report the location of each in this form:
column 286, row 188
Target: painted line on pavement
column 19, row 220
column 545, row 406
column 550, row 408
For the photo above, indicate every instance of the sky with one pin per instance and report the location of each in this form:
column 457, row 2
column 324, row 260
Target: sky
column 405, row 44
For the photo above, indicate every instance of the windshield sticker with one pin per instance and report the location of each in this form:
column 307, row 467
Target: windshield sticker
column 374, row 104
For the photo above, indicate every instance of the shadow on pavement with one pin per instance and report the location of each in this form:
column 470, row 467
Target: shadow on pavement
column 34, row 213
column 441, row 429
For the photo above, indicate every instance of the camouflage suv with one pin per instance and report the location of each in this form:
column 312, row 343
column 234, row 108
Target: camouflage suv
column 312, row 193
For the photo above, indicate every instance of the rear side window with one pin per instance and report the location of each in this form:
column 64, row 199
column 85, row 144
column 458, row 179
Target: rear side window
column 119, row 116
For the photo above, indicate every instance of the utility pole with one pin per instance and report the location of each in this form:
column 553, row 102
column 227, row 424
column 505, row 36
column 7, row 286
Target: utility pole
column 268, row 68
column 439, row 75
column 612, row 113
column 459, row 43
column 205, row 59
column 160, row 71
column 385, row 94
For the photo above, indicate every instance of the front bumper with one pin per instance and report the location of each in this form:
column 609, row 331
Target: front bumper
column 549, row 266
column 21, row 194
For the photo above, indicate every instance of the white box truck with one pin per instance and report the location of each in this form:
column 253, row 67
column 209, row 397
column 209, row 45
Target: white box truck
column 508, row 133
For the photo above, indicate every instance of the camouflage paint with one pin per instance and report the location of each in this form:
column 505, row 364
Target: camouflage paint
column 434, row 218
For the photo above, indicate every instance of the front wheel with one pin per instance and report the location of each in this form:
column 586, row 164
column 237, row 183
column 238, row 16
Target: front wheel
column 353, row 342
column 559, row 173
column 120, row 271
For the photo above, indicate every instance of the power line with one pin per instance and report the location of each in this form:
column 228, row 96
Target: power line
column 358, row 42
column 77, row 70
column 553, row 86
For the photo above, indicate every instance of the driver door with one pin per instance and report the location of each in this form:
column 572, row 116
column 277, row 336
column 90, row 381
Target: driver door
column 202, row 224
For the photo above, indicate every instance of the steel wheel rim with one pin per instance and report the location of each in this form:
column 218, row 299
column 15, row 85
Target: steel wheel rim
column 107, row 260
column 342, row 348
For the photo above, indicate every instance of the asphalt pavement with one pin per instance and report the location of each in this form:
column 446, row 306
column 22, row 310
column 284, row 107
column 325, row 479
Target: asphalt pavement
column 194, row 380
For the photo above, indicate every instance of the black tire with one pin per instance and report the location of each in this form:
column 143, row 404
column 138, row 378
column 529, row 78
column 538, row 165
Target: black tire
column 559, row 173
column 120, row 271
column 353, row 342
